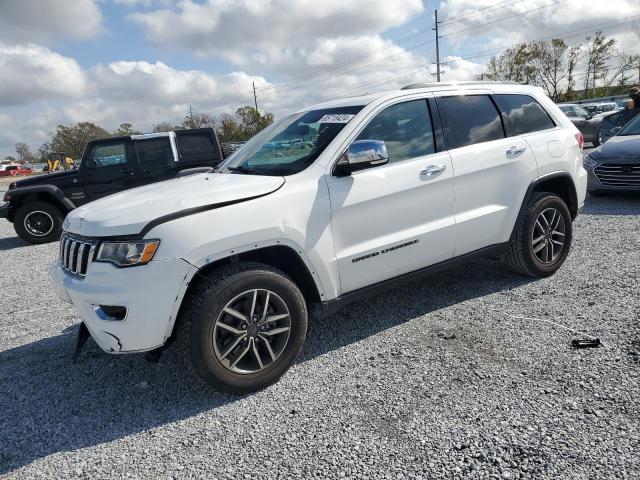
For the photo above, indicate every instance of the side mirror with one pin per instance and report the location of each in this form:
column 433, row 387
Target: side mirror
column 615, row 130
column 362, row 154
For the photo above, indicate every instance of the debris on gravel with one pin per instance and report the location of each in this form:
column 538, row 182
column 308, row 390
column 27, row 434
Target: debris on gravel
column 459, row 375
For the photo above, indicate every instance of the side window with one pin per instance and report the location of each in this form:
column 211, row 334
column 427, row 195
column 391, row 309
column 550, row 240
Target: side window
column 469, row 119
column 154, row 150
column 405, row 128
column 109, row 155
column 196, row 144
column 523, row 114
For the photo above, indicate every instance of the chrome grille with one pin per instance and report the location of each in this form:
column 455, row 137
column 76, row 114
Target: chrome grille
column 624, row 175
column 75, row 254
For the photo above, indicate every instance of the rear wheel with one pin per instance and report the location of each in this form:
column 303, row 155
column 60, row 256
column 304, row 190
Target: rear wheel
column 38, row 222
column 542, row 236
column 245, row 325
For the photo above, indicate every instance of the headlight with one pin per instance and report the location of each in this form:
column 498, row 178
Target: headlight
column 127, row 254
column 589, row 162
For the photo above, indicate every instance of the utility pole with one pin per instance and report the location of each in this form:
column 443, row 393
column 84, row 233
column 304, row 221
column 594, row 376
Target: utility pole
column 437, row 50
column 255, row 99
column 191, row 114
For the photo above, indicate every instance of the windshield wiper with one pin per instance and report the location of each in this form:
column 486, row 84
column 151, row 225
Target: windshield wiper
column 243, row 169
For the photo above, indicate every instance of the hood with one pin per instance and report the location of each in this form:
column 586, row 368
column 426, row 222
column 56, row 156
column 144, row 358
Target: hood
column 59, row 179
column 128, row 212
column 622, row 148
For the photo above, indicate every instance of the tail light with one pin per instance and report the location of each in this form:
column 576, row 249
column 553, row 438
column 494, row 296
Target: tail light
column 580, row 139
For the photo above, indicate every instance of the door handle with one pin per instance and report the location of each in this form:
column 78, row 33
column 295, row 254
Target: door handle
column 127, row 171
column 433, row 170
column 515, row 151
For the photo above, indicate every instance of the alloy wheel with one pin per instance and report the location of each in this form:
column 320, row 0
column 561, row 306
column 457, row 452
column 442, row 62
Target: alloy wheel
column 252, row 331
column 548, row 236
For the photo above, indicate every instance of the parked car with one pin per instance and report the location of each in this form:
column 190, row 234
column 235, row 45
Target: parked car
column 615, row 165
column 613, row 122
column 236, row 260
column 38, row 205
column 602, row 107
column 584, row 121
column 14, row 170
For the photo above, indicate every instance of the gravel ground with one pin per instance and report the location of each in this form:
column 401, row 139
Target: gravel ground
column 437, row 379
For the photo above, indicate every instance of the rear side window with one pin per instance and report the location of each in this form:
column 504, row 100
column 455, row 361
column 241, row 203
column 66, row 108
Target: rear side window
column 154, row 150
column 523, row 114
column 405, row 129
column 469, row 119
column 196, row 144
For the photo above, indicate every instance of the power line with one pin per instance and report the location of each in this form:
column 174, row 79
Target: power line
column 405, row 38
column 503, row 19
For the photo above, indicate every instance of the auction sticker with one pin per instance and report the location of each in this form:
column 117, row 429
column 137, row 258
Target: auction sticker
column 336, row 118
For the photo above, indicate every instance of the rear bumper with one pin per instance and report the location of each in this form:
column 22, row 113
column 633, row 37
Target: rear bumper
column 151, row 294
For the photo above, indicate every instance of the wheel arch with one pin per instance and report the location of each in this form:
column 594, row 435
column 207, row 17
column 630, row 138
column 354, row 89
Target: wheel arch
column 44, row 193
column 559, row 183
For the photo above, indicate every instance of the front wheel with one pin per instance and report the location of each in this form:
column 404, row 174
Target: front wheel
column 38, row 222
column 245, row 326
column 542, row 236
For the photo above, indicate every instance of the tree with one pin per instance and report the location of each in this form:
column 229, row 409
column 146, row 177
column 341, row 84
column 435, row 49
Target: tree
column 251, row 121
column 72, row 140
column 24, row 152
column 162, row 127
column 198, row 120
column 45, row 151
column 9, row 158
column 574, row 56
column 599, row 50
column 513, row 65
column 228, row 129
column 125, row 129
column 549, row 62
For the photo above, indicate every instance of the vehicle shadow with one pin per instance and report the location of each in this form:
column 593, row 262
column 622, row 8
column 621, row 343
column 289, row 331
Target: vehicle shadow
column 612, row 204
column 50, row 405
column 9, row 243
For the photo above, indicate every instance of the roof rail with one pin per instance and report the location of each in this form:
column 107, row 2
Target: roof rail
column 453, row 84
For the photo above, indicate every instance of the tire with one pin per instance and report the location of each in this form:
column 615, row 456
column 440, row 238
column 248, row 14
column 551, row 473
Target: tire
column 596, row 140
column 546, row 257
column 216, row 353
column 38, row 222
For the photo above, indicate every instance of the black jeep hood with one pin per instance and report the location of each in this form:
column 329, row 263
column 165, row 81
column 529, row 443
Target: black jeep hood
column 58, row 179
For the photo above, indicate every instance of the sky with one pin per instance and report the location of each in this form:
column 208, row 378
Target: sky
column 148, row 61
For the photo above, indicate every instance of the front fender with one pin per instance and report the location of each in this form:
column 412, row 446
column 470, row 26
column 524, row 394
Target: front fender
column 16, row 194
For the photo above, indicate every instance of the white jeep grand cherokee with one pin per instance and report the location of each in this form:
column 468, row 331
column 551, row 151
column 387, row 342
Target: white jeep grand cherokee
column 326, row 206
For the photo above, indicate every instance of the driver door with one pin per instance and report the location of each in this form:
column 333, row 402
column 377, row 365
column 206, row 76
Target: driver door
column 109, row 168
column 398, row 217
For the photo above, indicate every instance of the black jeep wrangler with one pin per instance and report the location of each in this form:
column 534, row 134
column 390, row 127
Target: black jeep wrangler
column 37, row 206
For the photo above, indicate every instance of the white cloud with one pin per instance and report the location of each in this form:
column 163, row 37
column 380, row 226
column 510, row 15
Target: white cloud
column 533, row 19
column 31, row 72
column 230, row 29
column 41, row 20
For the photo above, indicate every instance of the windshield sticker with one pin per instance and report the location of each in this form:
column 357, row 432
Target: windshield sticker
column 336, row 118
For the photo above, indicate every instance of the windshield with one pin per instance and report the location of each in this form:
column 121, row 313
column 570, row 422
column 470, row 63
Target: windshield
column 290, row 145
column 631, row 128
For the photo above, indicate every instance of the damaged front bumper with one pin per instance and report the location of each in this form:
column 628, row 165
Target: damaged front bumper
column 126, row 309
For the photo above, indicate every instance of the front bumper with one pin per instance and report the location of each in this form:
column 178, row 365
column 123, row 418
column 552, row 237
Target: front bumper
column 4, row 210
column 151, row 293
column 593, row 183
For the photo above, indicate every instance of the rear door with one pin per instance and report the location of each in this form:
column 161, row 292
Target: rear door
column 490, row 170
column 398, row 217
column 155, row 159
column 197, row 147
column 108, row 167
